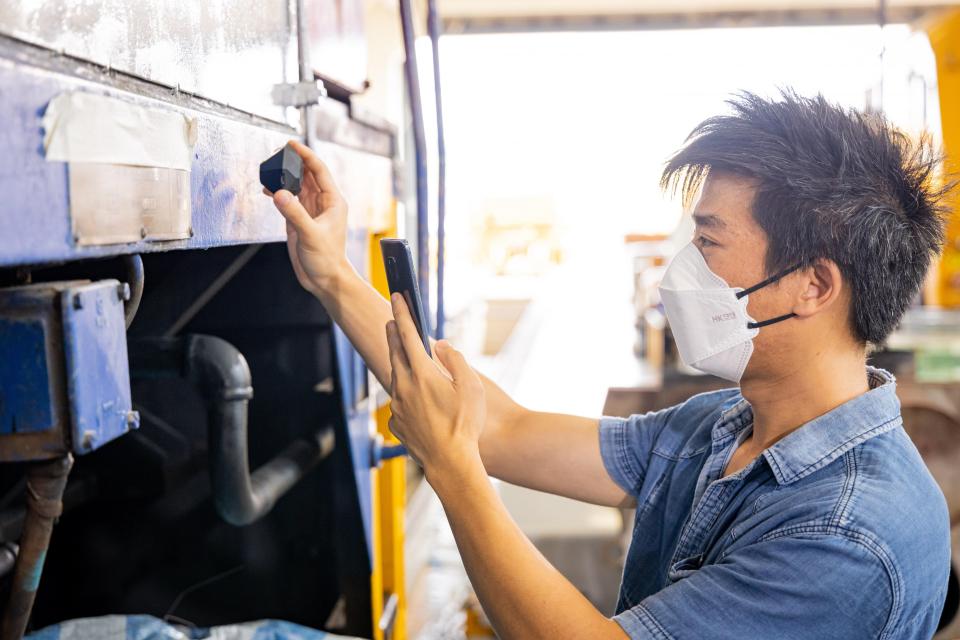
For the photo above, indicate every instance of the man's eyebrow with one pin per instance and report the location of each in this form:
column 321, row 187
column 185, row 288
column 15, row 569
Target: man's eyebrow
column 709, row 220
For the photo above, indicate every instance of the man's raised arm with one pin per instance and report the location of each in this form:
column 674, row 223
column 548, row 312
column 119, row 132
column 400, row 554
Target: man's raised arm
column 550, row 452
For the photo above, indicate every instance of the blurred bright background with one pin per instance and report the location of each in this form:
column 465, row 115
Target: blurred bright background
column 555, row 143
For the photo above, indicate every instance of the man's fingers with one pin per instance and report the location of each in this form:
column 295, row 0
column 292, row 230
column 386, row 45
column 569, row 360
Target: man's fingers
column 455, row 363
column 292, row 210
column 317, row 167
column 416, row 354
column 398, row 356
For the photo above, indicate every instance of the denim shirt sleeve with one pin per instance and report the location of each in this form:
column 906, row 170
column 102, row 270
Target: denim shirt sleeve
column 626, row 444
column 806, row 585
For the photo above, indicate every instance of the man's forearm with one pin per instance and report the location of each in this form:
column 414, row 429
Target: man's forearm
column 362, row 313
column 548, row 452
column 522, row 593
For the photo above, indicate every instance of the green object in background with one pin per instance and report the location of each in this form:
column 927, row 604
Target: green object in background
column 937, row 365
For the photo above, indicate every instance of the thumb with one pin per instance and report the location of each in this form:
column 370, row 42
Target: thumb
column 292, row 210
column 454, row 361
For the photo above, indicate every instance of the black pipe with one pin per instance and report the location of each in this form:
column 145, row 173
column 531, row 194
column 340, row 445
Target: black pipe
column 223, row 377
column 433, row 26
column 45, row 484
column 222, row 374
column 420, row 151
column 135, row 274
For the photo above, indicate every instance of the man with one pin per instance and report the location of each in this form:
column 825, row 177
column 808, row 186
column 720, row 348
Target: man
column 793, row 507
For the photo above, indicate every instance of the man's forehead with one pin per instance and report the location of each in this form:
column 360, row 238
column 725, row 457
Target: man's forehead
column 724, row 203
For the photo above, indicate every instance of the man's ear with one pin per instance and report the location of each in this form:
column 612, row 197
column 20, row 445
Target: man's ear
column 821, row 285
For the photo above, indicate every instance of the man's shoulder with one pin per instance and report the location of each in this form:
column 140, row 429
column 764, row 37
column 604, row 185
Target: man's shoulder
column 881, row 496
column 895, row 496
column 880, row 486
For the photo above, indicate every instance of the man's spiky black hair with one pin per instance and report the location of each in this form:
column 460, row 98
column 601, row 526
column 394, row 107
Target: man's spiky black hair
column 831, row 183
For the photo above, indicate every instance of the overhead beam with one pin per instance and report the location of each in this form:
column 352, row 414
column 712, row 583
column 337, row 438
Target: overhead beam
column 472, row 24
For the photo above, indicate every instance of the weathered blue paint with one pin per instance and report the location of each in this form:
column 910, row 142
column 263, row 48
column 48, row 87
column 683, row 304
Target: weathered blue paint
column 358, row 427
column 25, row 403
column 34, row 572
column 353, row 383
column 97, row 369
column 35, row 226
column 36, row 377
column 227, row 208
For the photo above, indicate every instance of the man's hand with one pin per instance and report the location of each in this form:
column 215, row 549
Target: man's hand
column 316, row 225
column 438, row 416
column 549, row 452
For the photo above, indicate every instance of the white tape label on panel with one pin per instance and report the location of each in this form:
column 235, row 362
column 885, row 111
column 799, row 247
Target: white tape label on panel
column 86, row 127
column 129, row 167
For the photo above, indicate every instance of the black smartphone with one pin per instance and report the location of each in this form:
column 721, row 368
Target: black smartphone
column 401, row 278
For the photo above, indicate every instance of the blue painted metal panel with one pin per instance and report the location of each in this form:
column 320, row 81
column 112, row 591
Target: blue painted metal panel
column 358, row 426
column 353, row 382
column 35, row 227
column 226, row 199
column 97, row 369
column 25, row 403
column 361, row 448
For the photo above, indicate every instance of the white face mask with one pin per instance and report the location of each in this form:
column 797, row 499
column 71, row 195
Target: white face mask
column 709, row 319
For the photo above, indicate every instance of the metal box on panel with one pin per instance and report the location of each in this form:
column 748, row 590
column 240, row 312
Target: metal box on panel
column 96, row 365
column 64, row 377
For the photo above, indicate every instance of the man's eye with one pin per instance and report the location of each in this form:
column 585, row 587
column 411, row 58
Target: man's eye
column 704, row 242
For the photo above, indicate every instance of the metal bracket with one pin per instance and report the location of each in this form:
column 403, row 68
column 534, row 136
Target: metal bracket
column 298, row 94
column 389, row 615
column 379, row 451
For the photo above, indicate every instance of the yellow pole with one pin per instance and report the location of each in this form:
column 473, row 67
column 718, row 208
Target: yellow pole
column 389, row 487
column 944, row 34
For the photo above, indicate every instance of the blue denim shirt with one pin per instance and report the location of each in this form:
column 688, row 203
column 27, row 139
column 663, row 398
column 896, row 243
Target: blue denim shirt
column 836, row 531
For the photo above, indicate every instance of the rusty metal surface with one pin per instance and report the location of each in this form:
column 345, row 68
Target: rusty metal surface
column 46, row 482
column 37, row 307
column 231, row 51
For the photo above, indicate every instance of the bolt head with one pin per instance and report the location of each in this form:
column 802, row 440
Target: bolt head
column 133, row 420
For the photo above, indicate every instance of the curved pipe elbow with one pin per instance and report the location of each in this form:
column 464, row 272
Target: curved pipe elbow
column 223, row 376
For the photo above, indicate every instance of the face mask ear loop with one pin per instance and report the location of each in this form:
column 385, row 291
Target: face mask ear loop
column 761, row 285
column 768, row 281
column 764, row 323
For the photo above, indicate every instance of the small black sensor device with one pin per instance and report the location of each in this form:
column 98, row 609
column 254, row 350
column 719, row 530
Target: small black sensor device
column 282, row 170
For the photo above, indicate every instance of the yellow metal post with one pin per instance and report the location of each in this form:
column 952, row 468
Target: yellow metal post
column 389, row 489
column 944, row 36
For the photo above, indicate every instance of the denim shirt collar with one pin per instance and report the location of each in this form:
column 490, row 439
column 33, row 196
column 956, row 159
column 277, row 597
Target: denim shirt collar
column 825, row 438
